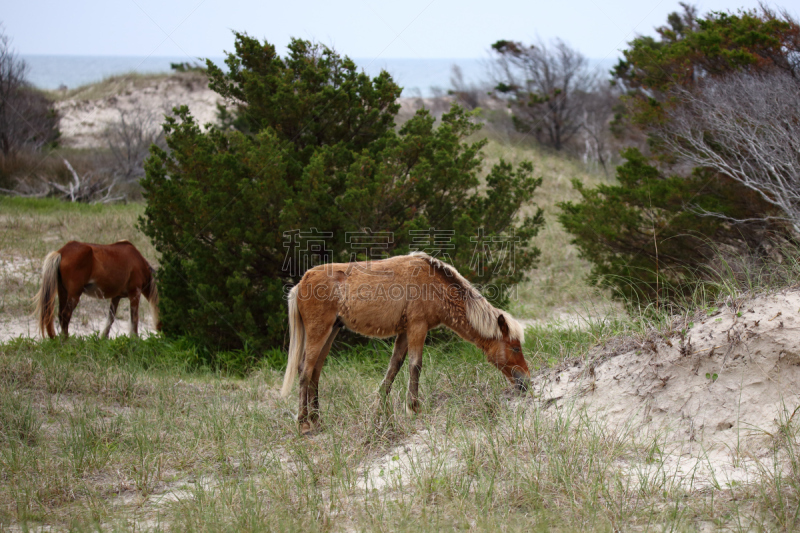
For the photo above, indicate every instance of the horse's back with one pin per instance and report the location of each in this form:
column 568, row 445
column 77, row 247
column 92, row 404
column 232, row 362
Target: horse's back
column 107, row 269
column 371, row 298
column 121, row 254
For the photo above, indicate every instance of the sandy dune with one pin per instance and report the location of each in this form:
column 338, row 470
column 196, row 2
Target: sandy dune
column 713, row 393
column 84, row 121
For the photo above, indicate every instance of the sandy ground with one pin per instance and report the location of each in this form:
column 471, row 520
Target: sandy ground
column 711, row 397
column 89, row 318
column 713, row 393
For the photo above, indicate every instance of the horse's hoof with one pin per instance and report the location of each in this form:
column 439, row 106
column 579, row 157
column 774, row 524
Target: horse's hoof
column 306, row 429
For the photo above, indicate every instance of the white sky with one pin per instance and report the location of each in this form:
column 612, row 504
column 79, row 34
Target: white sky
column 359, row 29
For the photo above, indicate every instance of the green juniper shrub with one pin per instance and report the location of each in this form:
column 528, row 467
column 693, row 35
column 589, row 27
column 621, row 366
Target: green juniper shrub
column 643, row 242
column 690, row 49
column 309, row 143
column 644, row 236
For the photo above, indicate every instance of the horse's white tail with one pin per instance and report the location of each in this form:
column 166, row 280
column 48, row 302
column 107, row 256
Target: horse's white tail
column 45, row 299
column 297, row 341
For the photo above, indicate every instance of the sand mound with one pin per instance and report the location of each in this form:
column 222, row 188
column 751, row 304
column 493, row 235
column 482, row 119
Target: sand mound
column 717, row 387
column 84, row 118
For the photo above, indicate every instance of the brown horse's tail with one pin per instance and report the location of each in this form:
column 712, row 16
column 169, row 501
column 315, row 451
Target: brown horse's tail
column 46, row 297
column 152, row 299
column 297, row 341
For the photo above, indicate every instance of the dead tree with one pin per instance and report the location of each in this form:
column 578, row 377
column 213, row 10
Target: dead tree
column 129, row 140
column 90, row 188
column 27, row 117
column 745, row 127
column 543, row 84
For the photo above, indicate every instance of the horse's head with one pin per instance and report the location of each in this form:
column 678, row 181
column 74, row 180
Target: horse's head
column 506, row 355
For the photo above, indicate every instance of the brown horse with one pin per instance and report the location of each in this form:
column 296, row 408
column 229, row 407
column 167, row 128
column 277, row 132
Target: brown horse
column 404, row 296
column 105, row 271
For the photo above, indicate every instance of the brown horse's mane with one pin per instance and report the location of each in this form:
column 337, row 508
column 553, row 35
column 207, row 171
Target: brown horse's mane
column 480, row 313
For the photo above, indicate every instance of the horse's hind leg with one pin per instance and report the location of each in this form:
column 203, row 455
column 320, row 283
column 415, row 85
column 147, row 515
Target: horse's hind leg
column 317, row 337
column 134, row 298
column 313, row 387
column 112, row 314
column 398, row 356
column 66, row 305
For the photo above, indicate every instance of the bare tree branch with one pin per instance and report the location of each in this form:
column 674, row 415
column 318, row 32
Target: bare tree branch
column 89, row 189
column 598, row 110
column 130, row 138
column 469, row 95
column 27, row 118
column 544, row 83
column 745, row 127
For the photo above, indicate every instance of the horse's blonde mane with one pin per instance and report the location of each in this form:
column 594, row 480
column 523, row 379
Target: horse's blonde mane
column 481, row 315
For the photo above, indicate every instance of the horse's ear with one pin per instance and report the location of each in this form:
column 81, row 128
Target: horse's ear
column 501, row 322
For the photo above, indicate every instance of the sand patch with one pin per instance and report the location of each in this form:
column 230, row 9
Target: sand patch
column 712, row 394
column 84, row 122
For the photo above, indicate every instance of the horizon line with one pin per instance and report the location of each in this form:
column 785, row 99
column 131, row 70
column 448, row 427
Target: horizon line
column 222, row 56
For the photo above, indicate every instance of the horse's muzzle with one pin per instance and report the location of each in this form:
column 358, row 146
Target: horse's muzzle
column 521, row 381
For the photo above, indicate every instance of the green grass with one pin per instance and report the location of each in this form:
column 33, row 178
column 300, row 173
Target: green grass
column 31, row 227
column 149, row 434
column 132, row 435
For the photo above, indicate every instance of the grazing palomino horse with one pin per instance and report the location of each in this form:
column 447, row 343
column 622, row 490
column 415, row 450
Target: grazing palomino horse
column 404, row 296
column 105, row 271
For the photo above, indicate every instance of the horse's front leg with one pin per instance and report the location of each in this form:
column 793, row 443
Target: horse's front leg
column 134, row 298
column 416, row 342
column 112, row 314
column 396, row 363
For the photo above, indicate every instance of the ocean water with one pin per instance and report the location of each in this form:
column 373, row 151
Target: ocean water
column 418, row 77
